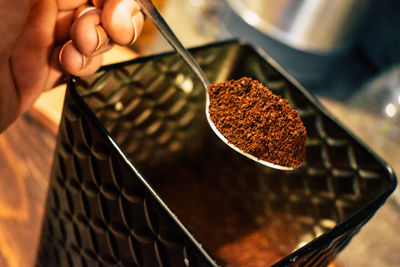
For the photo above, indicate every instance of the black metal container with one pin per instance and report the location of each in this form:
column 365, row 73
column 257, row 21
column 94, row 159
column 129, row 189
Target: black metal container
column 139, row 178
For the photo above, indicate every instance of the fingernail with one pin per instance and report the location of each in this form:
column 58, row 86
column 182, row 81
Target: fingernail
column 137, row 21
column 80, row 11
column 85, row 61
column 60, row 54
column 104, row 43
column 102, row 38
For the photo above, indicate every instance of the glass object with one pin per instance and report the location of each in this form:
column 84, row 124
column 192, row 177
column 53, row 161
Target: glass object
column 376, row 114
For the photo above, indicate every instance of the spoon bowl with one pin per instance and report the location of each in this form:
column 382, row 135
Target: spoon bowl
column 151, row 11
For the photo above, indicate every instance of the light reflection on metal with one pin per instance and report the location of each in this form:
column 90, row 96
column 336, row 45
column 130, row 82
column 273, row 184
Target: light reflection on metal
column 310, row 25
column 390, row 110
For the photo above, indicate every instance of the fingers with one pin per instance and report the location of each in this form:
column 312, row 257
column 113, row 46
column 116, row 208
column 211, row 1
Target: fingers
column 97, row 3
column 93, row 30
column 70, row 4
column 88, row 35
column 54, row 76
column 122, row 20
column 63, row 25
column 81, row 56
column 75, row 63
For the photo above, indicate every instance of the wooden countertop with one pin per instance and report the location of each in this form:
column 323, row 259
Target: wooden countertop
column 26, row 151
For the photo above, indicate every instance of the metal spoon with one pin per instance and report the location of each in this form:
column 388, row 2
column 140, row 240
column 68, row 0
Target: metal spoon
column 151, row 11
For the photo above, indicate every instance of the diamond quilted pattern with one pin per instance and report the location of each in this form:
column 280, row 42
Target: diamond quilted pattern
column 100, row 214
column 136, row 168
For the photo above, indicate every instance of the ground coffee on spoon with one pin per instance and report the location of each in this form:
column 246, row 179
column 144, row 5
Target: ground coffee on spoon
column 258, row 122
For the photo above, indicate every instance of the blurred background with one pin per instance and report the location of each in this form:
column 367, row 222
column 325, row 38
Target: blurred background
column 345, row 52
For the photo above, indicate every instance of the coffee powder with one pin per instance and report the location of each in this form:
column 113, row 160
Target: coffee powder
column 258, row 122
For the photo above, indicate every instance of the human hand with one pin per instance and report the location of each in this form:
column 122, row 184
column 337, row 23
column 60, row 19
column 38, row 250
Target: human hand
column 43, row 39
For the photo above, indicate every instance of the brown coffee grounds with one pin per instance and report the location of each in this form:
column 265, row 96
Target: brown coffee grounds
column 258, row 122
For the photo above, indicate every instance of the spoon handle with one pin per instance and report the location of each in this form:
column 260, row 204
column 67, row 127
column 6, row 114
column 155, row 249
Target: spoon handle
column 151, row 11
